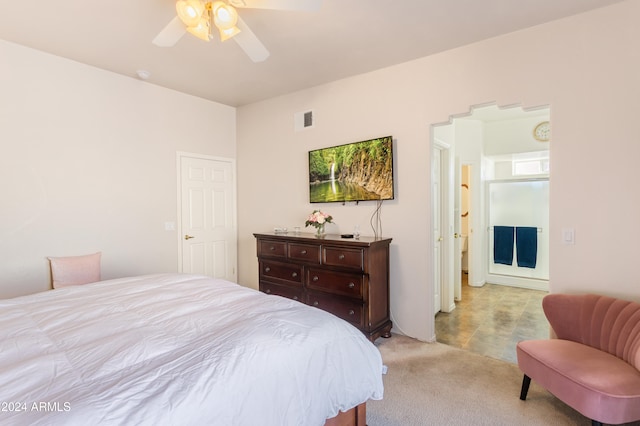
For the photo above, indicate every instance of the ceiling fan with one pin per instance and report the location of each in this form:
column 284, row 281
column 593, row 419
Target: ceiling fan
column 201, row 17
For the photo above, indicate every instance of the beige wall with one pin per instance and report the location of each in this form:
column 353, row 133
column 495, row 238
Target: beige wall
column 88, row 157
column 585, row 67
column 88, row 163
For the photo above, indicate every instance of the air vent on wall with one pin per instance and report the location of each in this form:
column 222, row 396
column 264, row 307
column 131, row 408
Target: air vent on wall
column 308, row 119
column 303, row 120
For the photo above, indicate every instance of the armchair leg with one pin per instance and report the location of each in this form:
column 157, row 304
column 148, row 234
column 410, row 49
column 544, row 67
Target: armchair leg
column 596, row 423
column 526, row 381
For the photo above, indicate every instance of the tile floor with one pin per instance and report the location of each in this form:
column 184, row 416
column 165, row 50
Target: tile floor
column 491, row 319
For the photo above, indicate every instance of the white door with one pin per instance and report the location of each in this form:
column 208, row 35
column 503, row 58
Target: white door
column 457, row 226
column 208, row 235
column 436, row 194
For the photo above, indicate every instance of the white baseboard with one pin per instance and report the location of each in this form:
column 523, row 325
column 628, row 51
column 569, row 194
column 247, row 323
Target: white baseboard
column 477, row 283
column 530, row 283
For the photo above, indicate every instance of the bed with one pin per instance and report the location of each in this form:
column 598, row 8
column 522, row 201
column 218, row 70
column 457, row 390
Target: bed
column 179, row 350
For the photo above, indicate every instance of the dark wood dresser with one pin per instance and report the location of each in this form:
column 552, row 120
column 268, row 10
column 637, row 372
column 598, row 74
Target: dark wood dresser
column 344, row 276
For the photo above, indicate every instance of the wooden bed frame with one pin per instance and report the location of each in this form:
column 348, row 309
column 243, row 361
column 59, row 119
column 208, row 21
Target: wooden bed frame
column 357, row 416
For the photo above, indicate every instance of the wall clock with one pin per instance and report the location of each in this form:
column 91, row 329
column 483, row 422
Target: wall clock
column 542, row 131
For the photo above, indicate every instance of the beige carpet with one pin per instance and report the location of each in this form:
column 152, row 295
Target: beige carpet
column 436, row 384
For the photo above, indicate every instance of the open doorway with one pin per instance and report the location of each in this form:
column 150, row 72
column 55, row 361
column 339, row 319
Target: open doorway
column 492, row 146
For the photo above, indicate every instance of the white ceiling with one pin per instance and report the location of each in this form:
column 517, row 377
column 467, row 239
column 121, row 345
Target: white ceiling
column 343, row 38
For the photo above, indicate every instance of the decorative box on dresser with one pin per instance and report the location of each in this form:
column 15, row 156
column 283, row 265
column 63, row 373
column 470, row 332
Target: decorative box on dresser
column 347, row 277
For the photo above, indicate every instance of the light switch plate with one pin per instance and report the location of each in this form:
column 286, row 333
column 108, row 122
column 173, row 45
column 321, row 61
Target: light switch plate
column 568, row 236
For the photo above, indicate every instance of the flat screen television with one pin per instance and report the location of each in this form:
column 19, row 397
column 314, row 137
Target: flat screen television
column 358, row 171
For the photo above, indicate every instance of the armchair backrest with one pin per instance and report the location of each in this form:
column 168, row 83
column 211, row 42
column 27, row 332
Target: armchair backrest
column 606, row 323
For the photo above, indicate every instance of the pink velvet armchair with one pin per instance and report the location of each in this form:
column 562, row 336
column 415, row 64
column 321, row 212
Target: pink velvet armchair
column 593, row 364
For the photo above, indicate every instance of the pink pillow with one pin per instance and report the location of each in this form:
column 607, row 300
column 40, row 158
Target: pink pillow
column 75, row 270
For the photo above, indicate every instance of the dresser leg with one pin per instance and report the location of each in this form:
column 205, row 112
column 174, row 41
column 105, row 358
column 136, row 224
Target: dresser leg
column 386, row 332
column 381, row 332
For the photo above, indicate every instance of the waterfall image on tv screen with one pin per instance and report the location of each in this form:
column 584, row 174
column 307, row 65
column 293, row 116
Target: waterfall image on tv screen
column 357, row 171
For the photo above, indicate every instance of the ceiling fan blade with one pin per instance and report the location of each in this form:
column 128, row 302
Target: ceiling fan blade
column 250, row 43
column 170, row 34
column 309, row 5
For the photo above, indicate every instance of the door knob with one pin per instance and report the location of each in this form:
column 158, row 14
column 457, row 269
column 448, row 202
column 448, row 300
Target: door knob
column 456, row 235
column 188, row 237
column 440, row 239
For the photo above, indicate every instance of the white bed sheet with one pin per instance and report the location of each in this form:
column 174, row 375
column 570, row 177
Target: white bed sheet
column 176, row 349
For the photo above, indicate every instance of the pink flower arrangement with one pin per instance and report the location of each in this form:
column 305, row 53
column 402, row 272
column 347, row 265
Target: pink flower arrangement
column 317, row 219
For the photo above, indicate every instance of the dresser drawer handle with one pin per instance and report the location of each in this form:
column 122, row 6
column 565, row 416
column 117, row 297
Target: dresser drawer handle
column 316, row 303
column 351, row 285
column 267, row 269
column 295, row 297
column 268, row 291
column 315, row 278
column 341, row 257
column 352, row 312
column 294, row 274
column 303, row 252
column 272, row 248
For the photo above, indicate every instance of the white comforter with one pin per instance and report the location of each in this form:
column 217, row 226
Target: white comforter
column 178, row 350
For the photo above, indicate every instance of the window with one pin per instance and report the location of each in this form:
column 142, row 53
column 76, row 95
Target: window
column 530, row 167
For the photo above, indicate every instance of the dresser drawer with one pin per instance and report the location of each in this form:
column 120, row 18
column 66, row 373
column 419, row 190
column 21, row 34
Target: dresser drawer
column 344, row 308
column 344, row 257
column 286, row 273
column 289, row 292
column 272, row 248
column 304, row 252
column 335, row 282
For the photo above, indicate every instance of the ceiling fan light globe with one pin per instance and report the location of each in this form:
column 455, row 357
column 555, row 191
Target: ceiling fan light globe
column 200, row 30
column 224, row 16
column 228, row 33
column 190, row 11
